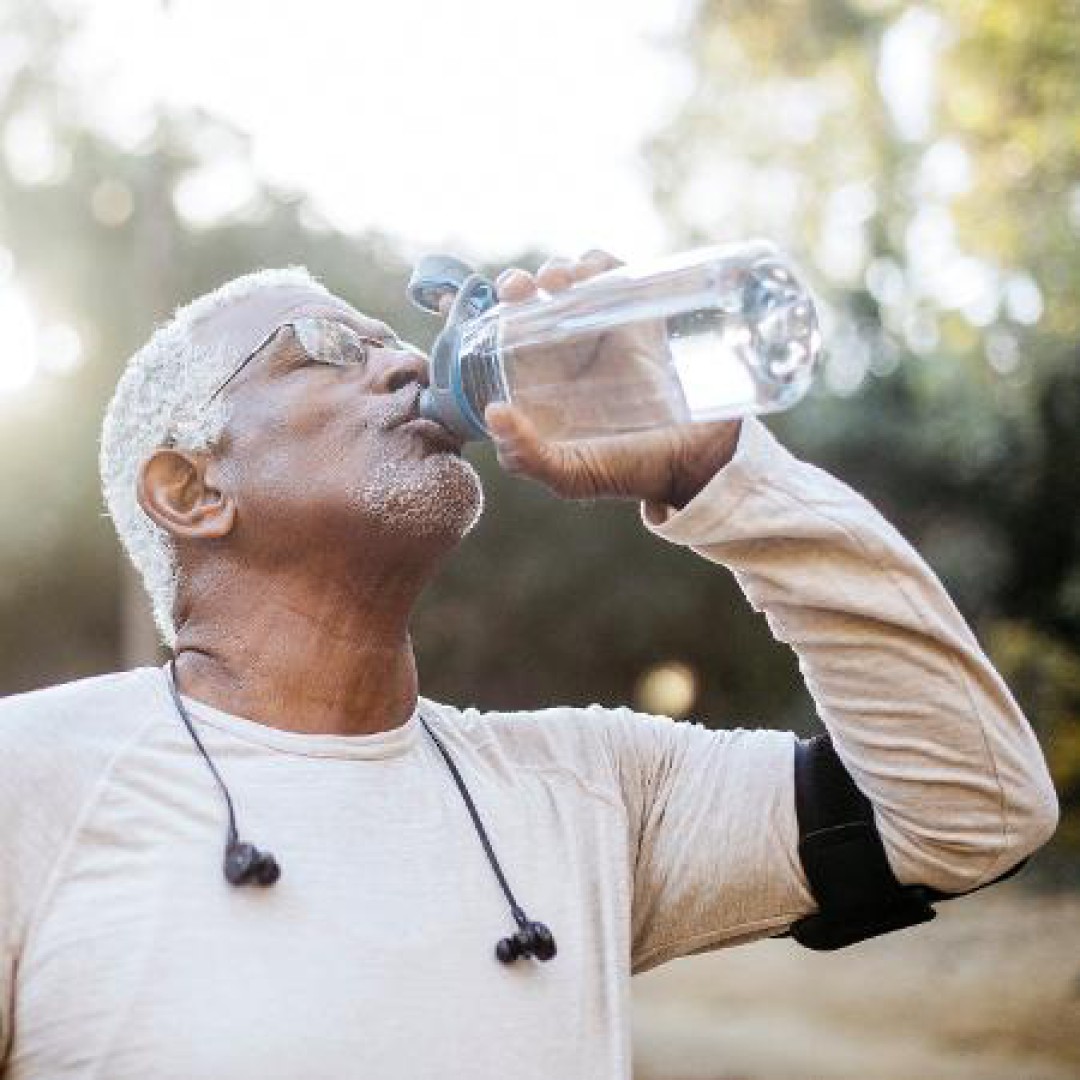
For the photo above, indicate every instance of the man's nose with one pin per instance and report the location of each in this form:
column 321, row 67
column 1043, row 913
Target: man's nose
column 400, row 367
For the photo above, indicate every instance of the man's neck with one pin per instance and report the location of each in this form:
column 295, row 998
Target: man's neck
column 331, row 659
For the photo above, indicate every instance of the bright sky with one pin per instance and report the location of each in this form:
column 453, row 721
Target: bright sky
column 484, row 126
column 480, row 127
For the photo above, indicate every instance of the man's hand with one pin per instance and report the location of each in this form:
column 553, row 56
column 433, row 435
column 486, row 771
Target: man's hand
column 669, row 464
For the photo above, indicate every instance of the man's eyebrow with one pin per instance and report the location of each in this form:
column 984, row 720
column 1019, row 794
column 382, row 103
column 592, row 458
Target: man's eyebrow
column 391, row 337
column 380, row 331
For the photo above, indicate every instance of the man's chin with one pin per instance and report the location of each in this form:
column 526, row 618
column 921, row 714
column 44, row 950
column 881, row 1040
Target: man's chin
column 437, row 497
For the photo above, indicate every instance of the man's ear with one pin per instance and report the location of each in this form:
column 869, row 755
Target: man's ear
column 174, row 493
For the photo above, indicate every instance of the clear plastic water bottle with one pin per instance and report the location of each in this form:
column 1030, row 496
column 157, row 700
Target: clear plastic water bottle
column 712, row 334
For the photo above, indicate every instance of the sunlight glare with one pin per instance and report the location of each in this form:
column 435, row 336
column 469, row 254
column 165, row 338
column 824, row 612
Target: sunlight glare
column 448, row 127
column 60, row 349
column 907, row 71
column 19, row 334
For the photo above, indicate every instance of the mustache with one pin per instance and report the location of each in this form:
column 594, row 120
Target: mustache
column 408, row 408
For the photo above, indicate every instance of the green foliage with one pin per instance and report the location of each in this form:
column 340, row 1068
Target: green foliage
column 544, row 603
column 101, row 247
column 924, row 164
column 1045, row 675
column 962, row 429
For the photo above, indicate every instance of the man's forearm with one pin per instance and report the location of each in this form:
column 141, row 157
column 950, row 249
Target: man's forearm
column 923, row 722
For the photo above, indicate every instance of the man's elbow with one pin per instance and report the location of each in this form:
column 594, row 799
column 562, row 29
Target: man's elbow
column 970, row 850
column 1034, row 820
column 1029, row 818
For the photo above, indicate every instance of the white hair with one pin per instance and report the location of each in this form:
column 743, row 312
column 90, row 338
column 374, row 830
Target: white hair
column 162, row 399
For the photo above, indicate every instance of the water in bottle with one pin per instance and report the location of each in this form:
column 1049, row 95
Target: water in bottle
column 708, row 335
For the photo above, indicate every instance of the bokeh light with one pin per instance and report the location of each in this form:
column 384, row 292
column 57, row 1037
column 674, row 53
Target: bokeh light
column 667, row 689
column 19, row 334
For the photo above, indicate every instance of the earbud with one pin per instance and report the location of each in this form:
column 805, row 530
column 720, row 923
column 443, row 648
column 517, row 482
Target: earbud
column 245, row 864
column 532, row 939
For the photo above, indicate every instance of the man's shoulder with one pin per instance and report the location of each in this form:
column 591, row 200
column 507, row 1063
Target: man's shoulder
column 100, row 712
column 584, row 739
column 602, row 741
column 56, row 746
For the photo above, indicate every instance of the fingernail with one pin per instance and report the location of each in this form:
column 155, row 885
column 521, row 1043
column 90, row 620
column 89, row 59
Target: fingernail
column 497, row 418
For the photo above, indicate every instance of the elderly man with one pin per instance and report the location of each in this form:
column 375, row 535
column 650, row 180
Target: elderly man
column 266, row 469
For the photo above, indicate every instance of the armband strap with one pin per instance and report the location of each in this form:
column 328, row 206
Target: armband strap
column 841, row 851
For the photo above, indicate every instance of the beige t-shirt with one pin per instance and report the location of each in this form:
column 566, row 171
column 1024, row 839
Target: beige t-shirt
column 125, row 955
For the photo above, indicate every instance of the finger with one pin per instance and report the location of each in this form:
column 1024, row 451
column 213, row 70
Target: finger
column 592, row 262
column 556, row 274
column 513, row 435
column 515, row 285
column 522, row 452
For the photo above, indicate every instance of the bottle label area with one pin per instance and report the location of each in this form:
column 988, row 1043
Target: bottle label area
column 713, row 342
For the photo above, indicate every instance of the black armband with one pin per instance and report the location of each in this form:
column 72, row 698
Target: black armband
column 841, row 851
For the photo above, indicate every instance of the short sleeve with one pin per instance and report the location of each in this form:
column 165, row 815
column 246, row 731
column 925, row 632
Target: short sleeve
column 714, row 837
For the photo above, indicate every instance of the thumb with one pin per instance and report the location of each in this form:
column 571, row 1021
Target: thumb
column 522, row 452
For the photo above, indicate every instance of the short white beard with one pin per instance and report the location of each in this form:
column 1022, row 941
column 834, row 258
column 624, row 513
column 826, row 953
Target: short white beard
column 438, row 497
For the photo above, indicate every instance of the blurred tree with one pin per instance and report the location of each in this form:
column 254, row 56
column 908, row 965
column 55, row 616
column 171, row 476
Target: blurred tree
column 1046, row 674
column 96, row 234
column 107, row 239
column 923, row 162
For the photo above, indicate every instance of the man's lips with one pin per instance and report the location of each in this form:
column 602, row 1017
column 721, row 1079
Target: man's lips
column 433, row 433
column 408, row 409
column 409, row 418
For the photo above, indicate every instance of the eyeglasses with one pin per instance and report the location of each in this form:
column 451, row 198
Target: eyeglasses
column 325, row 341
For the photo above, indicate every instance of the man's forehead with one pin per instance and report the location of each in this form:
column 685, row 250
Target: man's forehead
column 240, row 326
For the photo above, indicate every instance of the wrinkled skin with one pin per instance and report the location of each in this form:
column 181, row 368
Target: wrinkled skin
column 305, row 538
column 669, row 465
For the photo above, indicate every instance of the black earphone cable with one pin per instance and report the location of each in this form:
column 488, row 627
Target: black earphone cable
column 246, row 864
column 515, row 909
column 174, row 689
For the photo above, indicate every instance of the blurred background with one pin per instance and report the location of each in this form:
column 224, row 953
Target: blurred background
column 921, row 161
